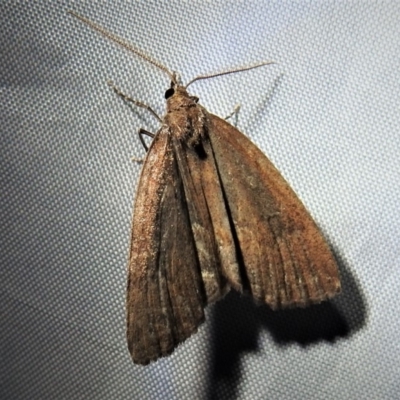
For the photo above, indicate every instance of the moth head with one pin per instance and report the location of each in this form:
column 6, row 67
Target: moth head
column 177, row 89
column 176, row 82
column 169, row 92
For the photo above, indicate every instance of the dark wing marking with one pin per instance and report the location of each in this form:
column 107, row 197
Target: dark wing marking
column 285, row 258
column 165, row 295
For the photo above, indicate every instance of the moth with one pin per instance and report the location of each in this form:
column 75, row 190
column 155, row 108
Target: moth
column 212, row 213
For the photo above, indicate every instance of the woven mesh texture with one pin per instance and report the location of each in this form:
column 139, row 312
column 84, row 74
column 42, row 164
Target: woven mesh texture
column 327, row 114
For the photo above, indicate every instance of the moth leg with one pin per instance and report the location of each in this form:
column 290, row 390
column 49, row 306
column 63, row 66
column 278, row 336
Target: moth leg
column 140, row 133
column 137, row 103
column 235, row 113
column 129, row 99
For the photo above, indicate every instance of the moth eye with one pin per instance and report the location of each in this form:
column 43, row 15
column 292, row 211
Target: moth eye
column 195, row 99
column 170, row 92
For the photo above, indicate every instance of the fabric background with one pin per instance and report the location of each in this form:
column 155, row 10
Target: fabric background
column 327, row 114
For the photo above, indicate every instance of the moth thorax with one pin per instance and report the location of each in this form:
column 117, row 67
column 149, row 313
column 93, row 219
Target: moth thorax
column 188, row 124
column 195, row 127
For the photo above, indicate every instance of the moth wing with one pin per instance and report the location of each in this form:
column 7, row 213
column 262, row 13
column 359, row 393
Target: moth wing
column 210, row 225
column 165, row 298
column 284, row 258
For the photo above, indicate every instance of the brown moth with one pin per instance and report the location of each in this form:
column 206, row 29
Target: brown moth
column 212, row 213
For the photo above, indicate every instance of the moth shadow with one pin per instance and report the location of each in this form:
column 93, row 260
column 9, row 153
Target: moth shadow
column 237, row 322
column 263, row 108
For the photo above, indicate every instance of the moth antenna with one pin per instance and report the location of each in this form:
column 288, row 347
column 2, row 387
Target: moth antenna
column 231, row 71
column 123, row 43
